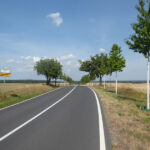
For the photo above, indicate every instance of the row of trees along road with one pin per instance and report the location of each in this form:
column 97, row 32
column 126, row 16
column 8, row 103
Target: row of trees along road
column 51, row 69
column 103, row 64
column 140, row 40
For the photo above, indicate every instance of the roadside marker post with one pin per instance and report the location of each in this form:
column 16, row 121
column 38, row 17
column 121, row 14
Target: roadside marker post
column 104, row 83
column 148, row 107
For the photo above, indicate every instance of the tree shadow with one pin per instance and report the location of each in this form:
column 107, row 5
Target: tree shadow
column 129, row 98
column 14, row 95
column 110, row 91
column 54, row 86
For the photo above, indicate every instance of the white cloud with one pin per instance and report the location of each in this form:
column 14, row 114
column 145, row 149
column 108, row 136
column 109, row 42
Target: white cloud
column 101, row 50
column 68, row 57
column 5, row 71
column 34, row 59
column 68, row 63
column 24, row 67
column 10, row 61
column 56, row 18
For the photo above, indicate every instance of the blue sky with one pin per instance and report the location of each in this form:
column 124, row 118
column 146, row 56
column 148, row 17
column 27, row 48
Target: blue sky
column 68, row 30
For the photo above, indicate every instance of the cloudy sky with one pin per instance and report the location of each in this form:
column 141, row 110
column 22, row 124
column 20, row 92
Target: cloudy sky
column 68, row 30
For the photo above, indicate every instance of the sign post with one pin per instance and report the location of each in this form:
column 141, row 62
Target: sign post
column 4, row 74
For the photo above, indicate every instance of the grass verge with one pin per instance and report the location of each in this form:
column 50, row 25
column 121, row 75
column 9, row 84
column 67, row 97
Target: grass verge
column 17, row 92
column 129, row 126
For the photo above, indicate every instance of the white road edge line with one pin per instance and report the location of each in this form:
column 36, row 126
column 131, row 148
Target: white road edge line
column 101, row 126
column 28, row 99
column 33, row 118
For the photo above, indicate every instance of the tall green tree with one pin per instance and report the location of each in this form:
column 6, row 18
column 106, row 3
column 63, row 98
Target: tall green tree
column 116, row 60
column 96, row 66
column 50, row 68
column 139, row 41
column 67, row 78
column 100, row 63
column 85, row 79
column 88, row 66
column 56, row 70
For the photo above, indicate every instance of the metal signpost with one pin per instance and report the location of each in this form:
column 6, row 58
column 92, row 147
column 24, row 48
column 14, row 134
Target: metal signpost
column 4, row 74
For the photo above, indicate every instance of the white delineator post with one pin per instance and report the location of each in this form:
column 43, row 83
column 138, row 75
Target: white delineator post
column 104, row 83
column 3, row 88
column 148, row 83
column 116, row 84
column 110, row 81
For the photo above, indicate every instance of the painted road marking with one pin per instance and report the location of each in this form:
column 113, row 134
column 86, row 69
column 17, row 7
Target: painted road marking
column 29, row 99
column 33, row 118
column 101, row 126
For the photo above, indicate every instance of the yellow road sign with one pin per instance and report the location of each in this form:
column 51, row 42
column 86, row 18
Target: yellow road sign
column 3, row 74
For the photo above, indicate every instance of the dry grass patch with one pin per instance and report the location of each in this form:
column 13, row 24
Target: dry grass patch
column 128, row 125
column 16, row 92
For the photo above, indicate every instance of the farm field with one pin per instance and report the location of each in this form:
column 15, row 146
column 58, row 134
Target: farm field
column 16, row 92
column 129, row 126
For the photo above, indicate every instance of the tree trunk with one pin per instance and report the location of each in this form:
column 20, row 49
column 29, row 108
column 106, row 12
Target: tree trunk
column 148, row 83
column 100, row 80
column 116, row 84
column 47, row 80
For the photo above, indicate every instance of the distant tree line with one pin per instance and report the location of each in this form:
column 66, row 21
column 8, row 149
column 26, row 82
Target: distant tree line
column 52, row 70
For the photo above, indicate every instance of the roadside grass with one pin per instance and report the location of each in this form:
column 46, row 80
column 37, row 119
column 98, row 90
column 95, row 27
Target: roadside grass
column 129, row 126
column 17, row 92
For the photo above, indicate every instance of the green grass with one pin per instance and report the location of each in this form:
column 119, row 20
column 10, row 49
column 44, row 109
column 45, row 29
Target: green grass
column 15, row 99
column 128, row 95
column 147, row 120
column 120, row 114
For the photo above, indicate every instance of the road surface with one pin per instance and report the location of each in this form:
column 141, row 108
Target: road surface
column 65, row 119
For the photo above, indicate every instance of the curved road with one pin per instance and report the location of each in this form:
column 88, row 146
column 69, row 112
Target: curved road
column 64, row 119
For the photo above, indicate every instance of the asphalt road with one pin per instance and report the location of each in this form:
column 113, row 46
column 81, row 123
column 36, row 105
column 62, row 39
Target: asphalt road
column 64, row 119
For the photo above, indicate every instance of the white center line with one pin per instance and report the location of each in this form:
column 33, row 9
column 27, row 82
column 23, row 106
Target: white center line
column 33, row 118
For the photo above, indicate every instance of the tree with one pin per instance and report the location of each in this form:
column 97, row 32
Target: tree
column 67, row 78
column 116, row 60
column 100, row 63
column 96, row 66
column 50, row 68
column 56, row 70
column 89, row 67
column 109, row 68
column 85, row 79
column 140, row 40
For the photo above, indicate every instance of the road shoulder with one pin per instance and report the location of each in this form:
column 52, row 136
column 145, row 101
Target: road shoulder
column 106, row 129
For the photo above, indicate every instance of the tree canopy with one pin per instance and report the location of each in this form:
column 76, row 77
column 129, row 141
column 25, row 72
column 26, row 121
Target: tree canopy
column 140, row 40
column 102, row 64
column 67, row 78
column 85, row 79
column 96, row 66
column 116, row 60
column 50, row 68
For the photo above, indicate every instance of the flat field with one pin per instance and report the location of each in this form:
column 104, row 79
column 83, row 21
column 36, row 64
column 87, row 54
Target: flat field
column 129, row 126
column 16, row 92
